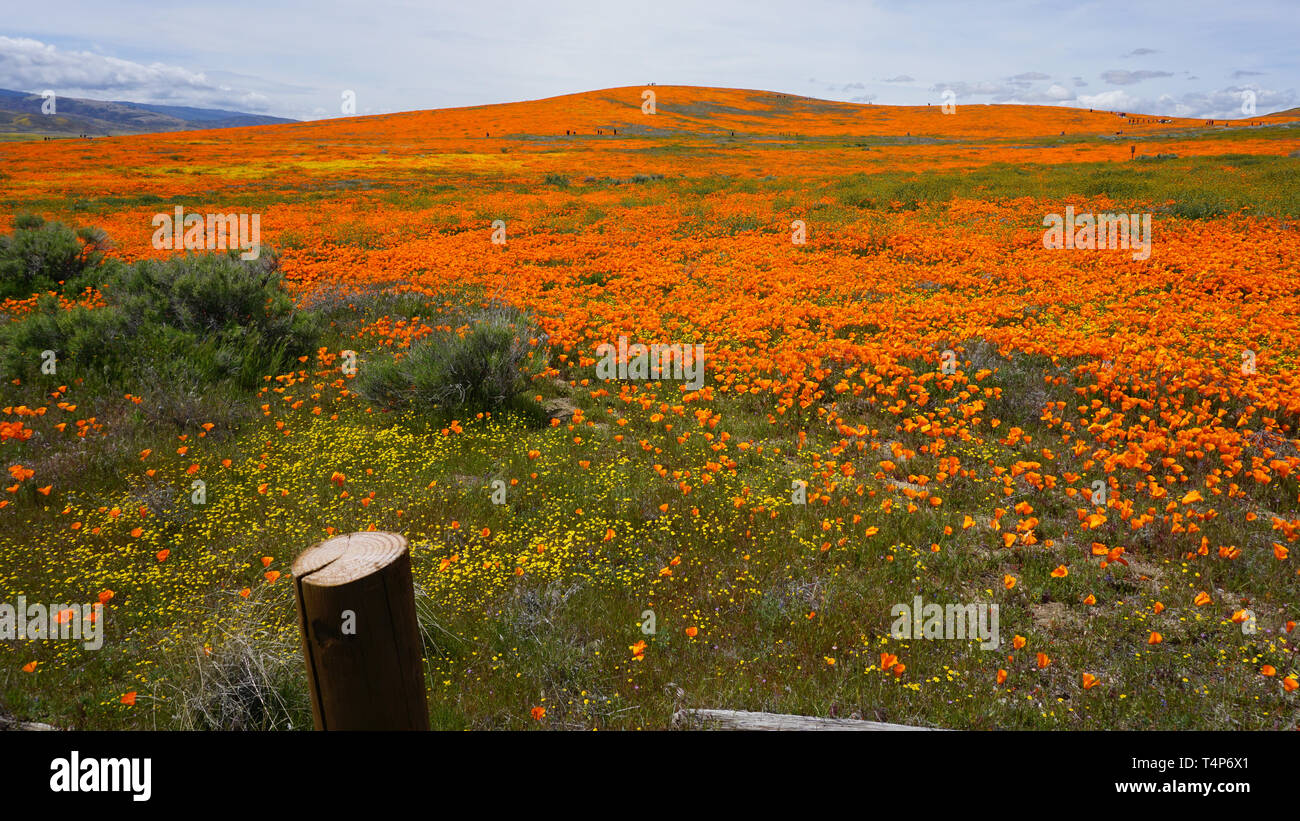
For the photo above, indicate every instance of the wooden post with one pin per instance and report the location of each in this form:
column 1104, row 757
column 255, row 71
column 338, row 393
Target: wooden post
column 356, row 611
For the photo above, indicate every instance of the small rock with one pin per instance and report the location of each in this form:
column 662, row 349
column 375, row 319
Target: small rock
column 560, row 408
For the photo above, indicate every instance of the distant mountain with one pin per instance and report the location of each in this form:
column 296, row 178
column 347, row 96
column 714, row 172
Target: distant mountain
column 20, row 113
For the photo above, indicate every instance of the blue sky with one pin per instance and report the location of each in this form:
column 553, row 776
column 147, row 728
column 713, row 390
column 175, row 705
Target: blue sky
column 1184, row 58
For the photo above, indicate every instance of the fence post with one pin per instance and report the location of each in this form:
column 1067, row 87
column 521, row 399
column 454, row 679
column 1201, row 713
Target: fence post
column 356, row 613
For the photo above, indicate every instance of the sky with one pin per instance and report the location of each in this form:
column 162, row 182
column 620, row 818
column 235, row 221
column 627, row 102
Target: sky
column 1175, row 58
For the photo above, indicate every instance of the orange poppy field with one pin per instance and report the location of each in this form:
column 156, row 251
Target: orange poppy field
column 905, row 394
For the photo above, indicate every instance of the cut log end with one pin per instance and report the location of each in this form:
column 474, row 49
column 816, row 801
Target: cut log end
column 346, row 558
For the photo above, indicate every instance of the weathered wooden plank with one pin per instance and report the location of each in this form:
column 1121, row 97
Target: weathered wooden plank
column 8, row 723
column 743, row 720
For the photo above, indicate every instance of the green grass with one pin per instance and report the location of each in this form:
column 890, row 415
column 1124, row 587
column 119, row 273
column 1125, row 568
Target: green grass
column 1194, row 187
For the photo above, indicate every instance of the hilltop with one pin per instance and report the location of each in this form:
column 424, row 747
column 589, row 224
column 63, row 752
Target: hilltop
column 720, row 111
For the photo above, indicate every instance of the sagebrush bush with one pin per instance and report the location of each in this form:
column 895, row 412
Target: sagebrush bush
column 489, row 366
column 218, row 315
column 191, row 321
column 42, row 256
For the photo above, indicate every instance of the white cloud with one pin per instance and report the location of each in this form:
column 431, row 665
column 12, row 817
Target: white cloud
column 1223, row 104
column 1114, row 100
column 31, row 65
column 964, row 89
column 1120, row 77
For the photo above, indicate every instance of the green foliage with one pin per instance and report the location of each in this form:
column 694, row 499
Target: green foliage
column 213, row 294
column 887, row 192
column 1198, row 205
column 1190, row 187
column 489, row 366
column 192, row 321
column 40, row 256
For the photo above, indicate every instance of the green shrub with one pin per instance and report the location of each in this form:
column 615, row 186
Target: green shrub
column 236, row 310
column 488, row 366
column 40, row 256
column 90, row 344
column 190, row 321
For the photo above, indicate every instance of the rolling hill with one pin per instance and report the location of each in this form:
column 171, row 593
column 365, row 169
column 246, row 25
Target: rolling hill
column 21, row 114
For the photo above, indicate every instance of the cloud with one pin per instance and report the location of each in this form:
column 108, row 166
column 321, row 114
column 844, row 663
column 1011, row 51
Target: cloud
column 1119, row 77
column 964, row 89
column 1227, row 103
column 1237, row 75
column 1113, row 100
column 902, row 78
column 1017, row 91
column 31, row 65
column 1078, row 82
column 1029, row 76
column 1223, row 104
column 1140, row 52
column 1054, row 94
